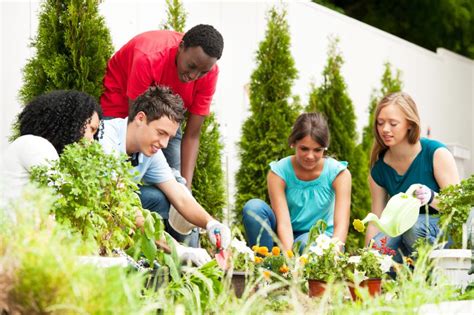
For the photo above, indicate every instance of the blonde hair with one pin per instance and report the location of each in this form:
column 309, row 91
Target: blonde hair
column 408, row 107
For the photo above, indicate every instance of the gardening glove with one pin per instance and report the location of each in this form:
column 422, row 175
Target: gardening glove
column 214, row 225
column 424, row 194
column 197, row 256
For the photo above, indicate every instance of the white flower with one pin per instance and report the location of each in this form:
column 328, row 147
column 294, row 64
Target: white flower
column 241, row 247
column 354, row 260
column 323, row 241
column 386, row 263
column 316, row 249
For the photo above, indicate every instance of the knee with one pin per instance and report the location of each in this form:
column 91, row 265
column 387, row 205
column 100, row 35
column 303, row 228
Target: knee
column 254, row 207
column 155, row 200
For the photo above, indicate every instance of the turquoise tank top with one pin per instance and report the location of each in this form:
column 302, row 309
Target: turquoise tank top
column 309, row 201
column 419, row 172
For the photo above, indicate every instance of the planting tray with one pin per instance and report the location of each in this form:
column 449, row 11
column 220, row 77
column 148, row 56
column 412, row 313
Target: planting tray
column 455, row 265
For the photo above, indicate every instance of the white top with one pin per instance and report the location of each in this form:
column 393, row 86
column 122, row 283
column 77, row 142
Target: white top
column 153, row 169
column 23, row 153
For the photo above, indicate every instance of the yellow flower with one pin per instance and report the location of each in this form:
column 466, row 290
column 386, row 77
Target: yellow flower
column 289, row 253
column 284, row 269
column 263, row 251
column 358, row 225
column 276, row 251
column 266, row 274
column 409, row 261
column 303, row 260
column 258, row 260
column 255, row 248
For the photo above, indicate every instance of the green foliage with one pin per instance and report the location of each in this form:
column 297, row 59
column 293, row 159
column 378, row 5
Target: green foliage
column 41, row 272
column 265, row 131
column 72, row 46
column 455, row 203
column 208, row 180
column 96, row 194
column 332, row 100
column 389, row 83
column 428, row 23
column 175, row 16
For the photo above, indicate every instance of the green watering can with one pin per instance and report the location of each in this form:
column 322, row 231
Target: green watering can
column 399, row 215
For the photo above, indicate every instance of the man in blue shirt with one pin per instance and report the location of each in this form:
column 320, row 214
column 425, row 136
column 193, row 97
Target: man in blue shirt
column 153, row 119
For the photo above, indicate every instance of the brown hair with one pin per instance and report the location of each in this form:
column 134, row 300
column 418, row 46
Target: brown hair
column 312, row 124
column 408, row 107
column 156, row 102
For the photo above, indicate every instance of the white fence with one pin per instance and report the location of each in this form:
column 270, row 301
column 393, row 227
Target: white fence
column 441, row 83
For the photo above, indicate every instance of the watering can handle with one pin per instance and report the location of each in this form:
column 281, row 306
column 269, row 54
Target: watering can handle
column 411, row 190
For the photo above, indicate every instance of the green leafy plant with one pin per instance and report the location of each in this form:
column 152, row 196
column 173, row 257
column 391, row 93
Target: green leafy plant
column 271, row 114
column 97, row 198
column 455, row 203
column 323, row 260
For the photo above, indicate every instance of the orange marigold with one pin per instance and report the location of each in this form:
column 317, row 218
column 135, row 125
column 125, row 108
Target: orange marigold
column 263, row 251
column 276, row 251
column 266, row 274
column 284, row 269
column 289, row 253
column 258, row 260
column 255, row 248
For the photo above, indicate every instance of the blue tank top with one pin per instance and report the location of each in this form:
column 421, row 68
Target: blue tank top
column 420, row 171
column 309, row 201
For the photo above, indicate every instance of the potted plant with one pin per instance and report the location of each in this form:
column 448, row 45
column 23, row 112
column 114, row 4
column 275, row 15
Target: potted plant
column 241, row 265
column 368, row 267
column 455, row 204
column 323, row 263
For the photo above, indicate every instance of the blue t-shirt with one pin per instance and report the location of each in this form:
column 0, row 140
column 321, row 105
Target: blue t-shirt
column 309, row 201
column 419, row 172
column 152, row 170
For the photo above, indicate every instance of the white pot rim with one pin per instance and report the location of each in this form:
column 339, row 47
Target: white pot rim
column 451, row 253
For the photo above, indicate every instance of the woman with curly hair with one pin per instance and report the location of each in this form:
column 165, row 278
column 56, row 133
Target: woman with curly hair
column 47, row 124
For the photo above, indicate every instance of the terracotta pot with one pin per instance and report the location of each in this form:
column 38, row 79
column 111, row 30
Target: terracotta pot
column 316, row 288
column 374, row 287
column 238, row 282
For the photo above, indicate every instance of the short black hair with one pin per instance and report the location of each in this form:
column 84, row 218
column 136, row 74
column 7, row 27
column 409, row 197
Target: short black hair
column 58, row 116
column 207, row 37
column 158, row 101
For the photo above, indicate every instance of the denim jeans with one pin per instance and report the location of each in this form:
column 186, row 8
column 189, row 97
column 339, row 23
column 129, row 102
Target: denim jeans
column 425, row 227
column 258, row 232
column 173, row 151
column 155, row 200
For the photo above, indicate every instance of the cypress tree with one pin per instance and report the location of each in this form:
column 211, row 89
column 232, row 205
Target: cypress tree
column 72, row 46
column 332, row 100
column 265, row 131
column 208, row 180
column 175, row 16
column 389, row 83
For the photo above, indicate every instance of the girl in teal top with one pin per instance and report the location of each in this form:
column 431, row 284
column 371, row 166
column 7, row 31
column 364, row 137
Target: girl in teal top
column 303, row 188
column 399, row 159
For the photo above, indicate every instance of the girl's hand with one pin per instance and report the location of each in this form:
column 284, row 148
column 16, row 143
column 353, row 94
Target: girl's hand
column 424, row 194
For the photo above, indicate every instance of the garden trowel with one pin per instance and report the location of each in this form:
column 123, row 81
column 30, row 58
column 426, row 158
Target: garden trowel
column 399, row 215
column 221, row 254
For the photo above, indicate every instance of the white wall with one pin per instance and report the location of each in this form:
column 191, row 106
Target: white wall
column 441, row 83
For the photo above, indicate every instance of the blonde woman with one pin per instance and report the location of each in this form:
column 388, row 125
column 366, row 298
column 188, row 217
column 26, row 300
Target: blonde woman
column 401, row 158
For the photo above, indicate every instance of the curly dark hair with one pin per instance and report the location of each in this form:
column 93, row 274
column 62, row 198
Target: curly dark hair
column 158, row 101
column 58, row 116
column 207, row 37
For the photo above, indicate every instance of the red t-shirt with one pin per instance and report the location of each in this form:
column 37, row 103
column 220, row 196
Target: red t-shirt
column 146, row 59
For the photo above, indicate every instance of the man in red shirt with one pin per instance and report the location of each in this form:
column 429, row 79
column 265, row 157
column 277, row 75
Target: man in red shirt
column 185, row 63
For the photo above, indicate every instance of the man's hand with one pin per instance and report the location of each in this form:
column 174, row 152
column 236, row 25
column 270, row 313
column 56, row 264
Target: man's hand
column 197, row 256
column 214, row 225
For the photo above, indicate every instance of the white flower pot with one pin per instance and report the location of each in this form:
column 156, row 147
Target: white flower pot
column 455, row 265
